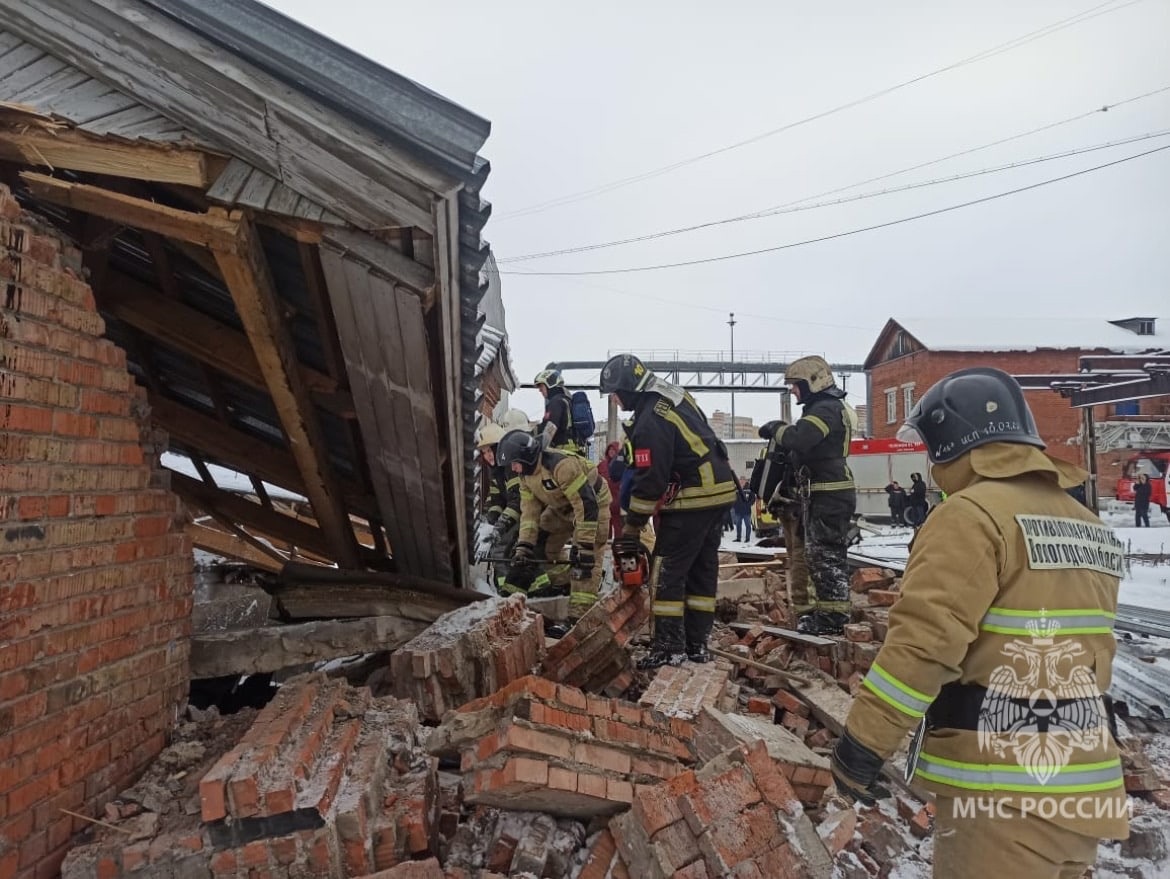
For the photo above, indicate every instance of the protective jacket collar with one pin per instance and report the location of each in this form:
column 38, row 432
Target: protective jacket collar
column 1004, row 461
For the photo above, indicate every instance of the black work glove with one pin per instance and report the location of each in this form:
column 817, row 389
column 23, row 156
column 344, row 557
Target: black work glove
column 582, row 562
column 493, row 516
column 524, row 556
column 856, row 769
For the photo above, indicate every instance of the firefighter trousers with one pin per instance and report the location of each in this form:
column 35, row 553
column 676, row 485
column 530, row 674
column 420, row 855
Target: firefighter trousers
column 826, row 537
column 582, row 590
column 994, row 843
column 684, row 577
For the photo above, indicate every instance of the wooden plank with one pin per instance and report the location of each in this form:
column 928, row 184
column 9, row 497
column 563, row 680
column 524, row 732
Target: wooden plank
column 384, row 259
column 249, row 514
column 231, row 546
column 791, row 635
column 204, row 229
column 271, row 648
column 449, row 398
column 416, row 356
column 307, row 602
column 249, row 280
column 390, row 460
column 341, row 300
column 204, row 338
column 129, row 53
column 78, row 151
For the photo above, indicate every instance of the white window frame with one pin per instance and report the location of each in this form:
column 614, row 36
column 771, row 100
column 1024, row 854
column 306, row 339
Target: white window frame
column 907, row 398
column 891, row 405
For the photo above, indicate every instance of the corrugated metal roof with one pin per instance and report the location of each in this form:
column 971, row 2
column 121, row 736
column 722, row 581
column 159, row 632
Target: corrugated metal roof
column 39, row 80
column 433, row 127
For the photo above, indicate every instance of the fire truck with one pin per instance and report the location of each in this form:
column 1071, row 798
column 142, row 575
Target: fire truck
column 1156, row 465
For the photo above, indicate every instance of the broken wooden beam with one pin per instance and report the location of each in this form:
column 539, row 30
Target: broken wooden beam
column 207, row 230
column 249, row 280
column 308, row 592
column 76, row 151
column 252, row 515
column 271, row 648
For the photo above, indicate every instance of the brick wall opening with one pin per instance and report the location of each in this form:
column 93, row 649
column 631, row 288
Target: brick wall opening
column 95, row 567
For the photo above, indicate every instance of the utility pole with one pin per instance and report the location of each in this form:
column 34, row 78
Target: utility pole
column 731, row 323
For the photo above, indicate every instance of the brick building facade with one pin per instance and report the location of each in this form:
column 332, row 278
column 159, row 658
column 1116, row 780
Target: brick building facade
column 95, row 567
column 908, row 358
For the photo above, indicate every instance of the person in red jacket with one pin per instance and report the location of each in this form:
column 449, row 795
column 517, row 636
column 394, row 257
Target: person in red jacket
column 615, row 489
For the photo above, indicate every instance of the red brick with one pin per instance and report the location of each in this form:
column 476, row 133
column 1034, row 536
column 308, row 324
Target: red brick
column 860, row 633
column 790, row 703
column 882, row 597
column 759, row 705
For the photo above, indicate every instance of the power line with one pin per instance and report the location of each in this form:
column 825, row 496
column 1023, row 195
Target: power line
column 1015, row 43
column 955, row 207
column 803, row 205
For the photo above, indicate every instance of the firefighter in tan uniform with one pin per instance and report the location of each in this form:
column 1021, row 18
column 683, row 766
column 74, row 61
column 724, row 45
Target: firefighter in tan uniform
column 562, row 499
column 1000, row 648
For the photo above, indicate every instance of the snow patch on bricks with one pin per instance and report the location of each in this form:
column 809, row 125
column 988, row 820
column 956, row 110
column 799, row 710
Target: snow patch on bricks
column 593, row 655
column 466, row 654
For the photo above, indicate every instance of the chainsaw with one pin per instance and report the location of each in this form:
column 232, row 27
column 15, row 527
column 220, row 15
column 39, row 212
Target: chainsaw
column 632, row 569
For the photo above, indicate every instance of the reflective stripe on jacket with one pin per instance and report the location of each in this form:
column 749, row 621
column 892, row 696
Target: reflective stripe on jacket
column 675, row 449
column 819, row 442
column 1011, row 586
column 570, row 485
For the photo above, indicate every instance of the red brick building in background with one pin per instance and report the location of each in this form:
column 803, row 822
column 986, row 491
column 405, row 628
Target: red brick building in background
column 911, row 355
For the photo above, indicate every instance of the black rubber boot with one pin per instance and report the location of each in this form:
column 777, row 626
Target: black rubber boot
column 821, row 622
column 667, row 647
column 698, row 653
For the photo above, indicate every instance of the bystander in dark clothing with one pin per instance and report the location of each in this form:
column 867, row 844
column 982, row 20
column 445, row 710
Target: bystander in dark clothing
column 897, row 501
column 1141, row 501
column 742, row 511
column 607, row 470
column 916, row 507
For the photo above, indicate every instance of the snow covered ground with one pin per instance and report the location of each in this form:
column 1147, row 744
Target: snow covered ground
column 1147, row 584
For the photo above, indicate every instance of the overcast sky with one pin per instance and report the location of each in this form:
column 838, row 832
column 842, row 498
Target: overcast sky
column 584, row 95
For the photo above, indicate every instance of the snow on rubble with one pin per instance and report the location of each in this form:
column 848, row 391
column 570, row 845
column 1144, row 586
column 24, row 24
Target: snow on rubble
column 480, row 750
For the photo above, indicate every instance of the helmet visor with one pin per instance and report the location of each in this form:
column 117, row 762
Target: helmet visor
column 908, row 433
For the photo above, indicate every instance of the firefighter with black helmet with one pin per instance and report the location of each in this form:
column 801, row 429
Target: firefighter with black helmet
column 817, row 446
column 999, row 650
column 557, row 425
column 562, row 499
column 682, row 474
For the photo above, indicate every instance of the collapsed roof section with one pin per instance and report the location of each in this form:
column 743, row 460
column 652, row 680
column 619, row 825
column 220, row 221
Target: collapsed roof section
column 285, row 239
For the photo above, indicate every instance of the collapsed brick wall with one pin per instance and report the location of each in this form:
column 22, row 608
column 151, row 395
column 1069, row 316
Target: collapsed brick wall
column 95, row 567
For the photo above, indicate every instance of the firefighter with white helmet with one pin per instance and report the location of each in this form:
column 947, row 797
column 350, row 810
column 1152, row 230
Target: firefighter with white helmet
column 816, row 448
column 503, row 503
column 999, row 650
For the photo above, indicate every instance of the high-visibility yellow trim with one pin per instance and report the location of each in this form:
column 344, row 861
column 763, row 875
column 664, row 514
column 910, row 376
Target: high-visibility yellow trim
column 645, row 507
column 840, row 485
column 582, row 599
column 706, row 473
column 513, row 482
column 692, row 439
column 704, row 603
column 526, row 492
column 905, row 688
column 575, row 486
column 668, row 609
column 818, row 423
column 1099, row 776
